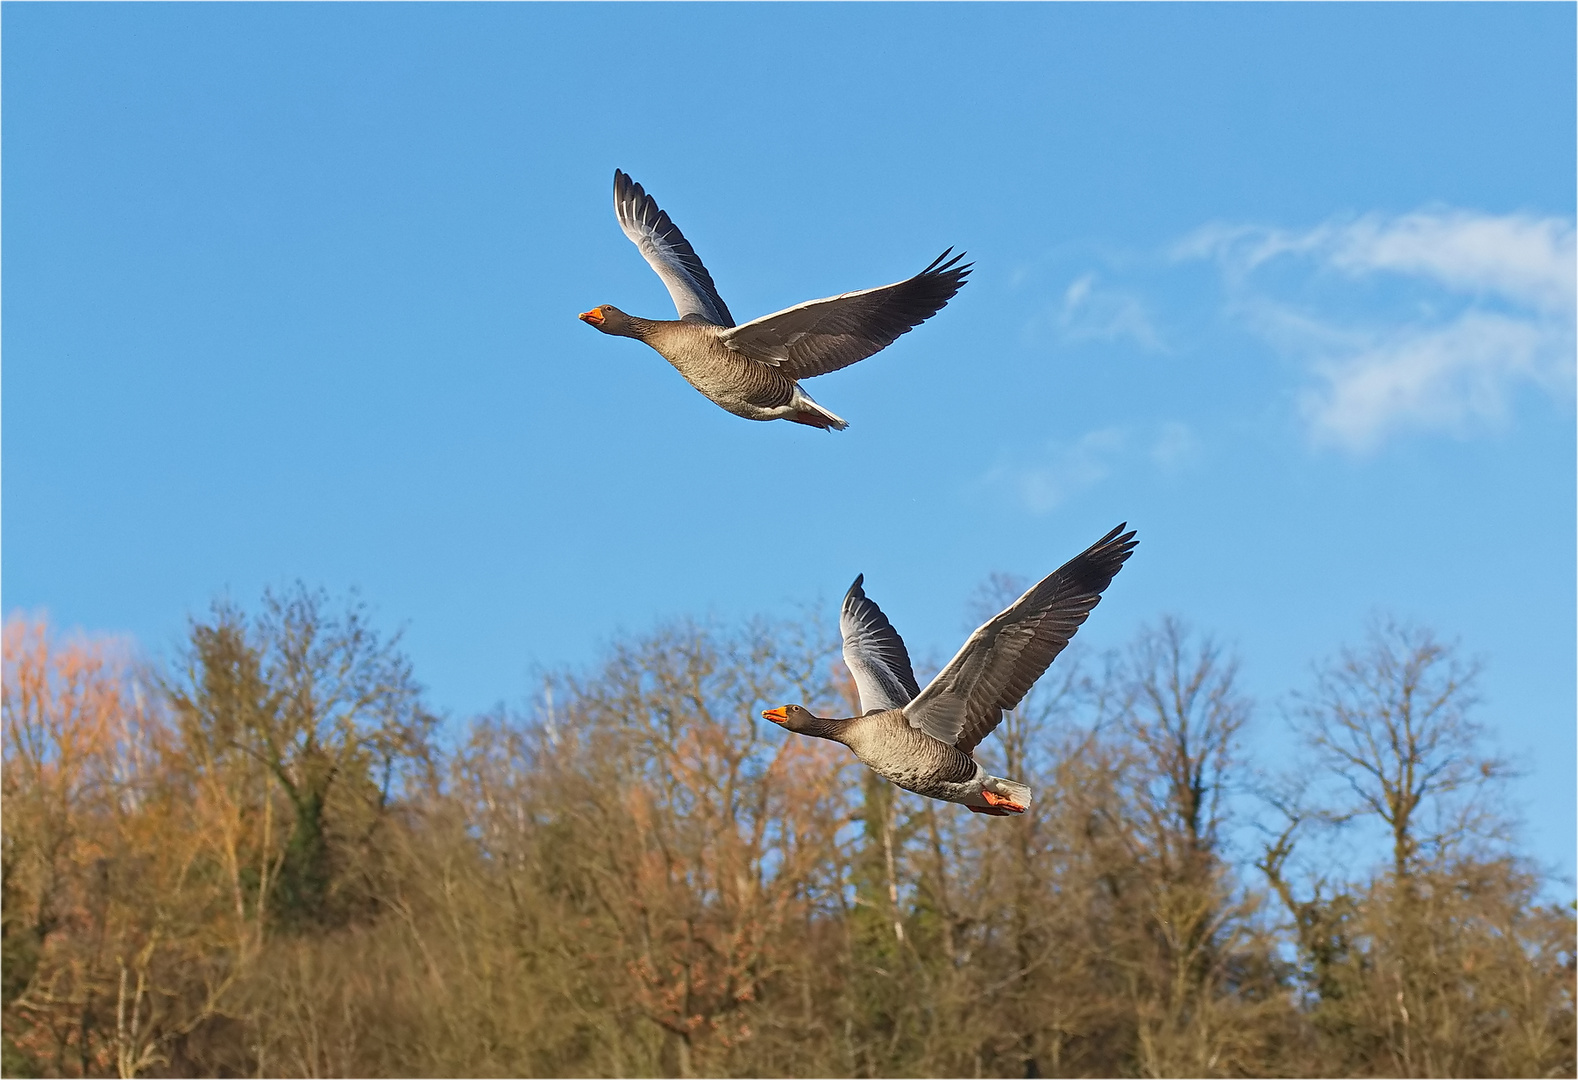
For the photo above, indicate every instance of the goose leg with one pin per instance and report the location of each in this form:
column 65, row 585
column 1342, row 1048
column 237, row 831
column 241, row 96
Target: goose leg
column 990, row 810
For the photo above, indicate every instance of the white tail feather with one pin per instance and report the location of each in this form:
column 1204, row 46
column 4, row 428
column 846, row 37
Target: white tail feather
column 802, row 401
column 1009, row 789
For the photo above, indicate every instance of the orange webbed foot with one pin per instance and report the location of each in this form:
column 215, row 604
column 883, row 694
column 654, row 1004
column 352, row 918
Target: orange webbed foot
column 999, row 805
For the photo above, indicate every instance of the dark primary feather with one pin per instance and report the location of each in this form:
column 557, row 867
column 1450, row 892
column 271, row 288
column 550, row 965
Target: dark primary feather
column 1004, row 658
column 824, row 335
column 668, row 252
column 875, row 653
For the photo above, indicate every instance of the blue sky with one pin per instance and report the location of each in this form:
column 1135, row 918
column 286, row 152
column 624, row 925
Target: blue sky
column 290, row 292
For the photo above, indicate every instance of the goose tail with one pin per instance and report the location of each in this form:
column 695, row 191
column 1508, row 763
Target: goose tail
column 811, row 414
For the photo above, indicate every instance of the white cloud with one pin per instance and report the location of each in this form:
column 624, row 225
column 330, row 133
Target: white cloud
column 1523, row 259
column 1450, row 378
column 1092, row 312
column 1475, row 306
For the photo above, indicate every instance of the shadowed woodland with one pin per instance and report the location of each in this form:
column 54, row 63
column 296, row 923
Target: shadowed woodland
column 264, row 858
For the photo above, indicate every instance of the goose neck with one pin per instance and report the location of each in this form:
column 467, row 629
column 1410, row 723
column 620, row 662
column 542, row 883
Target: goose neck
column 823, row 727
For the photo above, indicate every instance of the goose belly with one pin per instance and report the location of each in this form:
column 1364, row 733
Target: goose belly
column 743, row 387
column 917, row 762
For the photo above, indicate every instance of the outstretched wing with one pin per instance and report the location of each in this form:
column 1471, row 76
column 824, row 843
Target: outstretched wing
column 824, row 335
column 668, row 252
column 1002, row 659
column 874, row 653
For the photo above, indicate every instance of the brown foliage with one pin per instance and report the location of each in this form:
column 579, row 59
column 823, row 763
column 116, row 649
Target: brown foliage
column 259, row 864
column 116, row 944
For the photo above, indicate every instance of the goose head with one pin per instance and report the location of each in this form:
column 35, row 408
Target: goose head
column 609, row 319
column 795, row 718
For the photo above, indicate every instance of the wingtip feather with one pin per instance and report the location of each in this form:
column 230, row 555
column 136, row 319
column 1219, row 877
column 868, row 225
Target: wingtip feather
column 943, row 266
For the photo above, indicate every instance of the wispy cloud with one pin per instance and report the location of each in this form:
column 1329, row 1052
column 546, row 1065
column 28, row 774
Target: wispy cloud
column 1047, row 478
column 1091, row 311
column 1062, row 470
column 1522, row 258
column 1438, row 317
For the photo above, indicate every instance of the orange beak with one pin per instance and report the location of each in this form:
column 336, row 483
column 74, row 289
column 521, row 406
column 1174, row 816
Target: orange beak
column 594, row 317
column 778, row 716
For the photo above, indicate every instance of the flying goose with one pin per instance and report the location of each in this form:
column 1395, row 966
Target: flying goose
column 753, row 370
column 922, row 740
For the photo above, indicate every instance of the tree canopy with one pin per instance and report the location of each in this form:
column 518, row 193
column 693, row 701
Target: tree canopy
column 263, row 858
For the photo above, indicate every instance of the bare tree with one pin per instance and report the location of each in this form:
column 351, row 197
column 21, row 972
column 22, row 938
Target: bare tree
column 1208, row 973
column 1392, row 721
column 1443, row 964
column 325, row 708
column 1182, row 707
column 702, row 840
